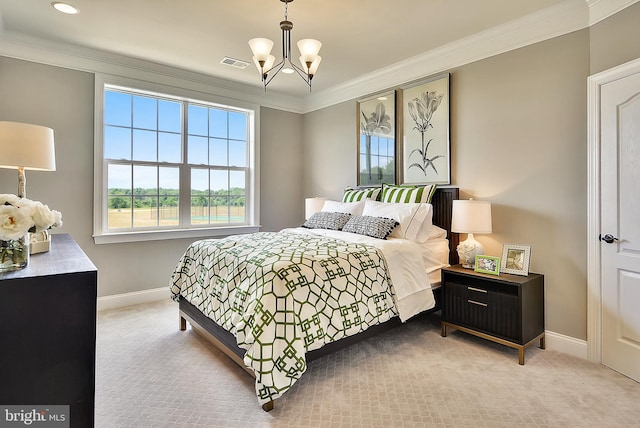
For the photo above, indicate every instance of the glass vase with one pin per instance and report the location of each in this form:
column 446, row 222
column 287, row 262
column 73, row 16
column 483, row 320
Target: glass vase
column 14, row 254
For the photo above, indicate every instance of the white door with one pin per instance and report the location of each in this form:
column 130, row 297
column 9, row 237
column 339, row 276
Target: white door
column 620, row 224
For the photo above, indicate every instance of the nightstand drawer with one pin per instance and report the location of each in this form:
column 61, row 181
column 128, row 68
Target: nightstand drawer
column 483, row 309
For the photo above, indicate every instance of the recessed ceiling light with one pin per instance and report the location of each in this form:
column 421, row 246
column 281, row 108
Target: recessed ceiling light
column 287, row 70
column 65, row 8
column 382, row 98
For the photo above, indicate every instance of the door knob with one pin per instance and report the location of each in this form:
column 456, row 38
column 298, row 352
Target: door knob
column 608, row 238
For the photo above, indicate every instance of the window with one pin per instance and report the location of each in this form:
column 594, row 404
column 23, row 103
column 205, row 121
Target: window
column 172, row 166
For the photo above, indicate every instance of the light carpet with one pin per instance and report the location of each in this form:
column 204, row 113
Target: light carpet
column 150, row 374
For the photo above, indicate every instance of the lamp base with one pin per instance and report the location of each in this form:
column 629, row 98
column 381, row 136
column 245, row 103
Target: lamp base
column 468, row 250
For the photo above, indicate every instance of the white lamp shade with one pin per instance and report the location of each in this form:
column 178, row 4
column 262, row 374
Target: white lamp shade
column 312, row 206
column 314, row 65
column 268, row 63
column 309, row 49
column 469, row 216
column 27, row 146
column 261, row 48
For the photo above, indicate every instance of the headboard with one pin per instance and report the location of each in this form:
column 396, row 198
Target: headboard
column 442, row 202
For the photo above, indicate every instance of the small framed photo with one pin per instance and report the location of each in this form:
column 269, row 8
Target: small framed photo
column 515, row 259
column 488, row 264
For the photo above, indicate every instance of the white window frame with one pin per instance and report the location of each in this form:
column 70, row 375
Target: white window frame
column 102, row 235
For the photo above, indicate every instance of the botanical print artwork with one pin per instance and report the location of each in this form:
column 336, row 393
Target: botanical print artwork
column 426, row 133
column 421, row 110
column 376, row 145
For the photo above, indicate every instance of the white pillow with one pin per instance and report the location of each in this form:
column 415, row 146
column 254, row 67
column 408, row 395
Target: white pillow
column 414, row 218
column 353, row 208
column 436, row 233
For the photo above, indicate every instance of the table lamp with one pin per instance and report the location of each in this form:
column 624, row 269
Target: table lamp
column 312, row 206
column 469, row 216
column 26, row 146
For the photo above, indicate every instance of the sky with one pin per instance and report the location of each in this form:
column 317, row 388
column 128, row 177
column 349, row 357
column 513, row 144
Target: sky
column 143, row 128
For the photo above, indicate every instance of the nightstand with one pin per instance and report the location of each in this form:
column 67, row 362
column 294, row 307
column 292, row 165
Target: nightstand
column 507, row 309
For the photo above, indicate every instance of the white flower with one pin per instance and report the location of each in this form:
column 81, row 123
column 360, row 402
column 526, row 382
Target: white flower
column 8, row 199
column 21, row 215
column 58, row 218
column 14, row 222
column 43, row 217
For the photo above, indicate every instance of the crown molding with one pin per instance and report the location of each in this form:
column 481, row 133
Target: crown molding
column 27, row 48
column 554, row 21
column 602, row 9
column 563, row 18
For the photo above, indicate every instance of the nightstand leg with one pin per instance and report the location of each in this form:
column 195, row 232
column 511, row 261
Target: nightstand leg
column 183, row 324
column 443, row 333
column 521, row 355
column 542, row 343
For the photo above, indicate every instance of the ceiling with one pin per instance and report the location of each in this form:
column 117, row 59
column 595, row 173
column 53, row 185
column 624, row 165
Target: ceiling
column 358, row 36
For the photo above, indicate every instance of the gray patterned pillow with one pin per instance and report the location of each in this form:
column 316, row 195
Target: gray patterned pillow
column 376, row 227
column 327, row 220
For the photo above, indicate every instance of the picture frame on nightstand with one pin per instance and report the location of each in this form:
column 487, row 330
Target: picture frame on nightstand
column 516, row 259
column 488, row 264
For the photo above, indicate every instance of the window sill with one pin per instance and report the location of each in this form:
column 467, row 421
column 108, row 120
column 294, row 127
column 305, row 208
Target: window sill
column 161, row 235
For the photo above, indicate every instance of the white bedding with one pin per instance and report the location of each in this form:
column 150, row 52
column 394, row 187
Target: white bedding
column 409, row 266
column 435, row 255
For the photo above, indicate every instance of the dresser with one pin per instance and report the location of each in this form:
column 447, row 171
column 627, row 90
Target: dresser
column 48, row 332
column 507, row 309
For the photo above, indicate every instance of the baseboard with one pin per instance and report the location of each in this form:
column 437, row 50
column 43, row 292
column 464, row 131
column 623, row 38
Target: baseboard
column 553, row 341
column 566, row 344
column 134, row 298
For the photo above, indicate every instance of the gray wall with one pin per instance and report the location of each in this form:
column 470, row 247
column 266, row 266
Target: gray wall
column 63, row 100
column 281, row 169
column 518, row 139
column 614, row 41
column 330, row 150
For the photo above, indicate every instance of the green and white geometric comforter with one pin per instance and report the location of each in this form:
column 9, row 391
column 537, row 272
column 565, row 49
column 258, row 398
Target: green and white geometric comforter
column 285, row 293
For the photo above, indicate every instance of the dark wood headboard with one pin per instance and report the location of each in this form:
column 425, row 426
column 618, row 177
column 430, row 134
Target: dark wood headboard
column 442, row 202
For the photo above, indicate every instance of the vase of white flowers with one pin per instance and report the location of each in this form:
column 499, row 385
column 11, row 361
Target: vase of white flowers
column 18, row 217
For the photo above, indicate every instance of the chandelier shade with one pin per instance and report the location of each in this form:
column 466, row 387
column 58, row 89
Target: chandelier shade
column 265, row 62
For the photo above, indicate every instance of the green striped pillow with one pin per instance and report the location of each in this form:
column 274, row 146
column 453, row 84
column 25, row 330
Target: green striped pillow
column 356, row 195
column 419, row 194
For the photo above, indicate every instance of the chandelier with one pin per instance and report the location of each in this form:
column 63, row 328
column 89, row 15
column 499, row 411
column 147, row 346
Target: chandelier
column 264, row 61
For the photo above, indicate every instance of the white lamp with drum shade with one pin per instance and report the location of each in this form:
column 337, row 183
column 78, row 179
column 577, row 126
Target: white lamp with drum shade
column 25, row 146
column 312, row 206
column 470, row 216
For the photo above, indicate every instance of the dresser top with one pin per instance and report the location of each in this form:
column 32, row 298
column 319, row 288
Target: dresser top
column 65, row 256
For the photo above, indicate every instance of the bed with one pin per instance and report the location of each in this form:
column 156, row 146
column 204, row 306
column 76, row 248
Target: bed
column 282, row 299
